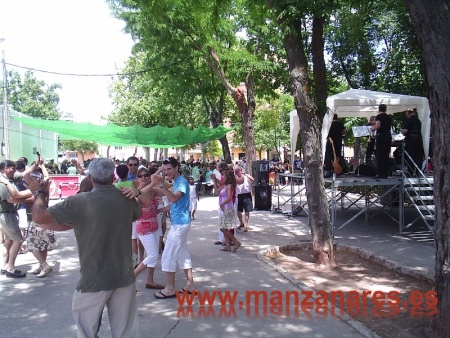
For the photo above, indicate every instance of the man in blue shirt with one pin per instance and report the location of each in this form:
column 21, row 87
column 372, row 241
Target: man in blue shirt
column 175, row 250
column 133, row 164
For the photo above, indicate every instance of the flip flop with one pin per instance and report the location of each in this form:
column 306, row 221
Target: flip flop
column 184, row 290
column 225, row 248
column 156, row 286
column 160, row 295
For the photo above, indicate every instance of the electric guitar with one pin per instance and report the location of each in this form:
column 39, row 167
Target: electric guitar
column 336, row 164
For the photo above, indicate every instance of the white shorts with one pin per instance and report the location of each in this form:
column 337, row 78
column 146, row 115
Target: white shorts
column 175, row 250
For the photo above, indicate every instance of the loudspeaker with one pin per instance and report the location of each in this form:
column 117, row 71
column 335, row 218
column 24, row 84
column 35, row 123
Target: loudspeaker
column 263, row 197
column 260, row 172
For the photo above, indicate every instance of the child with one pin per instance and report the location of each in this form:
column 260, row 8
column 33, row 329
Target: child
column 195, row 196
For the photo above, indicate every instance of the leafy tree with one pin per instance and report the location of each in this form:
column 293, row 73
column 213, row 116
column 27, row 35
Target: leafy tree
column 208, row 32
column 213, row 148
column 81, row 147
column 33, row 97
column 431, row 20
column 272, row 128
column 372, row 45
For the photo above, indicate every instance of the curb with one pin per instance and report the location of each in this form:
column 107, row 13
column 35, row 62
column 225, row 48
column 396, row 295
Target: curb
column 356, row 325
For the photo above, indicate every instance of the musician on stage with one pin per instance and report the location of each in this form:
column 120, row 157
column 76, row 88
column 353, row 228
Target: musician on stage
column 383, row 125
column 336, row 133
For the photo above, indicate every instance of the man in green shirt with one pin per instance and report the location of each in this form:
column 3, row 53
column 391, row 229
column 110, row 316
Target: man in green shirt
column 101, row 220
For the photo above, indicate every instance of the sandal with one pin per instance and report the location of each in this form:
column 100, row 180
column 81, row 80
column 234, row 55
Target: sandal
column 36, row 271
column 236, row 246
column 226, row 248
column 45, row 270
column 155, row 286
column 160, row 295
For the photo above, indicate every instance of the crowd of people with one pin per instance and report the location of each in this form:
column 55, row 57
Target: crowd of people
column 137, row 193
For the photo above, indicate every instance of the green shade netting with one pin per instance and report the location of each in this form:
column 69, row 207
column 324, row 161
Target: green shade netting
column 111, row 134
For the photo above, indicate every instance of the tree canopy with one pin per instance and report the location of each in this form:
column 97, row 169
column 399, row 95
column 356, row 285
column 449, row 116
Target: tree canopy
column 33, row 97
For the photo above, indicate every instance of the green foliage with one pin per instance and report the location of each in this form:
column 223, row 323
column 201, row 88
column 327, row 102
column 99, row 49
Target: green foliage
column 272, row 124
column 176, row 39
column 369, row 45
column 81, row 147
column 151, row 98
column 372, row 45
column 33, row 97
column 214, row 148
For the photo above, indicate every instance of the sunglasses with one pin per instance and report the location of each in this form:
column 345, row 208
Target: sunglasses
column 133, row 164
column 143, row 175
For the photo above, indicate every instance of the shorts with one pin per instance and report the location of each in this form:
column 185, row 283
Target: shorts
column 245, row 202
column 10, row 225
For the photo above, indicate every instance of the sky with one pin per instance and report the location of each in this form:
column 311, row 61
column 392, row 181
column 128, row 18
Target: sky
column 67, row 36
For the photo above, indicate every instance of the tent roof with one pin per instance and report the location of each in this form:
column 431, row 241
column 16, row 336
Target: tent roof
column 364, row 103
column 110, row 134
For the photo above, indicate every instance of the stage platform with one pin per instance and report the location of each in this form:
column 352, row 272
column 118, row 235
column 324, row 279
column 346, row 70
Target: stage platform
column 370, row 196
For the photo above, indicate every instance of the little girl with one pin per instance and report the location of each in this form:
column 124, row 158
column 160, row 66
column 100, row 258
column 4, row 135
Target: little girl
column 194, row 197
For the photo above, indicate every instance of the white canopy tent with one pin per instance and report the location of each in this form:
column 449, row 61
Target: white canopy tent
column 364, row 103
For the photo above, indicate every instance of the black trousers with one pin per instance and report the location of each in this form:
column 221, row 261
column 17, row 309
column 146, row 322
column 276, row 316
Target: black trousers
column 369, row 151
column 382, row 150
column 414, row 147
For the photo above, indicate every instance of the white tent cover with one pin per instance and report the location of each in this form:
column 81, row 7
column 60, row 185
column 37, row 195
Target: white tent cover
column 364, row 103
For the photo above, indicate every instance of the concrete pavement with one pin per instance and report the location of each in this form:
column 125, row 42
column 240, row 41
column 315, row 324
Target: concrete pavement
column 33, row 307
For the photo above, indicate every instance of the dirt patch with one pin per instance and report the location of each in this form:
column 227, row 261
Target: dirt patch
column 355, row 273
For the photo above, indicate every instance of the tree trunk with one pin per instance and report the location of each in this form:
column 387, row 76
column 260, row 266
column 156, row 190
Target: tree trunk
column 244, row 97
column 147, row 153
column 432, row 23
column 245, row 101
column 215, row 118
column 310, row 120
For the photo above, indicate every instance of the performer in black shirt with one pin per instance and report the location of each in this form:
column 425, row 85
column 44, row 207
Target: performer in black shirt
column 412, row 129
column 383, row 125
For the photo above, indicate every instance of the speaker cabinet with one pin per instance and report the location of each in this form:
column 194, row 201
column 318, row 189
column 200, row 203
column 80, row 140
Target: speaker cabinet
column 260, row 172
column 263, row 197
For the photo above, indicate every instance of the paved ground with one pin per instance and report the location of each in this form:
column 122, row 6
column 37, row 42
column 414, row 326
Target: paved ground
column 34, row 307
